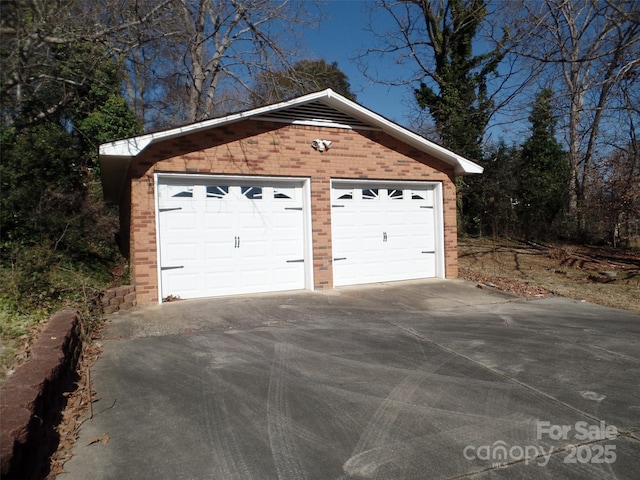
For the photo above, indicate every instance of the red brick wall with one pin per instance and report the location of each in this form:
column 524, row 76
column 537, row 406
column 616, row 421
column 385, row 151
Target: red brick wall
column 254, row 147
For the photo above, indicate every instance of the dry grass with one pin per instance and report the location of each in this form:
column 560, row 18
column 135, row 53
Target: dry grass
column 596, row 274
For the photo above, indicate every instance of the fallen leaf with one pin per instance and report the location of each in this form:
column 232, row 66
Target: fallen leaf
column 104, row 439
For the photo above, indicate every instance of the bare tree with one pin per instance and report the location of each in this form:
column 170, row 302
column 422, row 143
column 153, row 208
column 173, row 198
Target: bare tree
column 181, row 60
column 50, row 48
column 203, row 55
column 589, row 50
column 141, row 34
column 459, row 57
column 613, row 198
column 32, row 34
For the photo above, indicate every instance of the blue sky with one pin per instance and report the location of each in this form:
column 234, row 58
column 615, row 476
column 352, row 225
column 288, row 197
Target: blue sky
column 341, row 36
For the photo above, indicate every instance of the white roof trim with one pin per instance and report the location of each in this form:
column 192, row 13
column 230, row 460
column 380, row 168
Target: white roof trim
column 131, row 147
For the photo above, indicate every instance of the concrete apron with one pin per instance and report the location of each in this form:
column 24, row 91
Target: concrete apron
column 429, row 379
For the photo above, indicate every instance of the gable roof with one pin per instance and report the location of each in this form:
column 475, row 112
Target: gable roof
column 325, row 108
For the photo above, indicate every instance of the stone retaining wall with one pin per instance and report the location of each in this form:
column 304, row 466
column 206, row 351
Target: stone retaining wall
column 118, row 298
column 31, row 400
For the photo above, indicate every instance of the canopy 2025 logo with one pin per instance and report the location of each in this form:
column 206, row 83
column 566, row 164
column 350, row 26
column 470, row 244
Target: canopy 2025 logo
column 501, row 454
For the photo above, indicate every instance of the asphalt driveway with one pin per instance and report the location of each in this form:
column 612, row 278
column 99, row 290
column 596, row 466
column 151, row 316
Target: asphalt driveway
column 414, row 380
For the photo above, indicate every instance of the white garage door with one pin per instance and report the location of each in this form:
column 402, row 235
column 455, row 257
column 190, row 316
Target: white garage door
column 383, row 232
column 221, row 237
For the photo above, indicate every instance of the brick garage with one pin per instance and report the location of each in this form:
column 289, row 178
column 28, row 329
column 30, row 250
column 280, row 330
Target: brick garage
column 344, row 165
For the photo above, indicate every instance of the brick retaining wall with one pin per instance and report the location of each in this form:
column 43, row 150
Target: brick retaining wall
column 31, row 400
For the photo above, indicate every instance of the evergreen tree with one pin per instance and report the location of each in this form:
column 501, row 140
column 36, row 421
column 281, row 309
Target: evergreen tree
column 543, row 173
column 457, row 99
column 48, row 159
column 52, row 215
column 456, row 95
column 489, row 201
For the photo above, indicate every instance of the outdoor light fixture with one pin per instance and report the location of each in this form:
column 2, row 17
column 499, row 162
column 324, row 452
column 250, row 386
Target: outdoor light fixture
column 321, row 145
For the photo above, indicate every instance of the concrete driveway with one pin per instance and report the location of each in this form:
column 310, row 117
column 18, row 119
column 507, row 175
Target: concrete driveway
column 414, row 380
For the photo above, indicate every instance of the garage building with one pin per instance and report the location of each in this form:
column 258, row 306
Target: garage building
column 313, row 193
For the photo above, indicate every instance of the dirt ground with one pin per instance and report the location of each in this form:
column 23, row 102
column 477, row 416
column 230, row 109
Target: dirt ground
column 595, row 274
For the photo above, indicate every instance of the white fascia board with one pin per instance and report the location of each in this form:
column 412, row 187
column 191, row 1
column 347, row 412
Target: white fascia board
column 129, row 147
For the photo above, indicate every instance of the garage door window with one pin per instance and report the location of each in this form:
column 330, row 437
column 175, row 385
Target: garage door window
column 417, row 195
column 180, row 191
column 283, row 193
column 217, row 191
column 370, row 194
column 347, row 195
column 396, row 194
column 252, row 193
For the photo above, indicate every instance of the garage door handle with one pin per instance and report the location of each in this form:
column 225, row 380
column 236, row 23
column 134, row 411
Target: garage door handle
column 169, row 209
column 293, row 208
column 384, row 236
column 426, row 206
column 428, row 251
column 296, row 261
column 339, row 258
column 236, row 242
column 172, row 268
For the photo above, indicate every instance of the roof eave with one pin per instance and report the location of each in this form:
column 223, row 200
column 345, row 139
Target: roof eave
column 131, row 147
column 461, row 165
column 113, row 172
